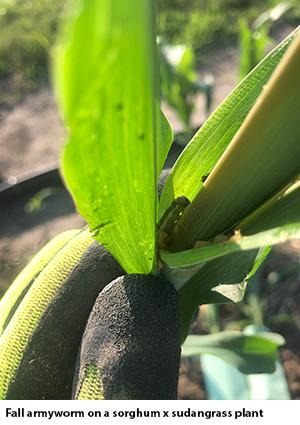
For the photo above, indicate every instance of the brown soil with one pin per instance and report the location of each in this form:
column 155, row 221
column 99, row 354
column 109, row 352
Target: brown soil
column 31, row 136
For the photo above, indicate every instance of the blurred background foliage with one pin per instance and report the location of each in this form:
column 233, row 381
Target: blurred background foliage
column 28, row 30
column 203, row 23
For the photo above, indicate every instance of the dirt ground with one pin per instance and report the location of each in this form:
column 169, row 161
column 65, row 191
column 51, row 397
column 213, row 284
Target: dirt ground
column 31, row 137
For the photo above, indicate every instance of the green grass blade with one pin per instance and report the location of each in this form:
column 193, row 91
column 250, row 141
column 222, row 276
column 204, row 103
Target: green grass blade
column 165, row 137
column 107, row 80
column 245, row 56
column 250, row 354
column 283, row 213
column 261, row 160
column 272, row 224
column 206, row 148
column 194, row 257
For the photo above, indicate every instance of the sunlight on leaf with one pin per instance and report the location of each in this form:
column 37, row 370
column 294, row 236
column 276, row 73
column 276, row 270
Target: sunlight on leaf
column 207, row 146
column 260, row 161
column 107, row 82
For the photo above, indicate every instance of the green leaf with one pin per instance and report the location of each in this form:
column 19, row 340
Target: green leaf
column 282, row 213
column 165, row 138
column 218, row 273
column 248, row 353
column 275, row 222
column 107, row 82
column 220, row 280
column 246, row 38
column 259, row 162
column 210, row 142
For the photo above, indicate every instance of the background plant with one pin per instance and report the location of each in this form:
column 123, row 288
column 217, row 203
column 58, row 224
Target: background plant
column 179, row 82
column 28, row 30
column 255, row 39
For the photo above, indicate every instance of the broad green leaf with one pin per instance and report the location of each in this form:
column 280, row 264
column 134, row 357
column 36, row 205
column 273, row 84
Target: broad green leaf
column 248, row 353
column 205, row 149
column 107, row 80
